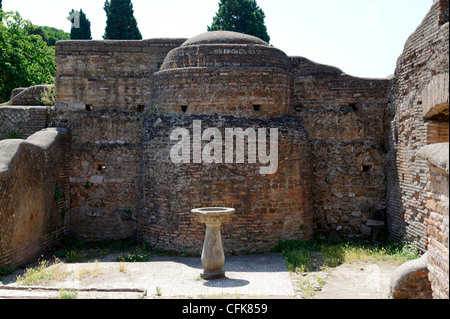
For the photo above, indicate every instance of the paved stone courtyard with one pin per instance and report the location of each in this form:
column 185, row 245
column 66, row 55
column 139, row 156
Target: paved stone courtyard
column 254, row 276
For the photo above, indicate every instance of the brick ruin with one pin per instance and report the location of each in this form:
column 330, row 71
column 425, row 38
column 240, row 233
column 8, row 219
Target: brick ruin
column 350, row 149
column 122, row 103
column 417, row 159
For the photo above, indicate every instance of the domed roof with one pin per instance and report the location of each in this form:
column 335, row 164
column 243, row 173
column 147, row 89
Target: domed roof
column 225, row 49
column 219, row 37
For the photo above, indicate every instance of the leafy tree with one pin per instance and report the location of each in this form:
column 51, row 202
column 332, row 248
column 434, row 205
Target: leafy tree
column 48, row 34
column 242, row 16
column 53, row 35
column 34, row 29
column 25, row 59
column 84, row 30
column 120, row 21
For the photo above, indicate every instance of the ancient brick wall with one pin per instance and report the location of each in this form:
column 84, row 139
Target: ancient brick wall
column 345, row 118
column 418, row 118
column 106, row 75
column 437, row 205
column 437, row 223
column 249, row 92
column 102, row 88
column 269, row 208
column 443, row 11
column 30, row 96
column 410, row 280
column 22, row 120
column 109, row 92
column 228, row 81
column 249, row 79
column 34, row 194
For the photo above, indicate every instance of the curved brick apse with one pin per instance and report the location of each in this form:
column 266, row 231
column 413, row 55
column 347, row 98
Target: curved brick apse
column 124, row 99
column 231, row 81
column 225, row 73
column 226, row 81
column 269, row 207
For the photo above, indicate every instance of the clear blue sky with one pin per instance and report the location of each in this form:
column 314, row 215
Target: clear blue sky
column 362, row 37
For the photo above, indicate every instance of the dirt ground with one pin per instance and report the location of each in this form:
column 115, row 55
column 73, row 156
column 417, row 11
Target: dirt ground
column 358, row 280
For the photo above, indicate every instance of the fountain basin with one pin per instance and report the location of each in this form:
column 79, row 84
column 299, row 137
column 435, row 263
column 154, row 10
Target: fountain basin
column 213, row 256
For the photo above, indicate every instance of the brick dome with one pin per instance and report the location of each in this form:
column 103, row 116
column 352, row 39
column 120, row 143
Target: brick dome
column 225, row 49
column 225, row 73
column 227, row 37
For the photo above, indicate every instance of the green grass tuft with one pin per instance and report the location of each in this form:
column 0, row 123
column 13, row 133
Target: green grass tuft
column 300, row 255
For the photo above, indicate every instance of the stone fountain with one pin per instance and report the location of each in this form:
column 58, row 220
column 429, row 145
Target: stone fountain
column 213, row 256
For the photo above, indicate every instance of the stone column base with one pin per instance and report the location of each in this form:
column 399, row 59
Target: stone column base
column 214, row 274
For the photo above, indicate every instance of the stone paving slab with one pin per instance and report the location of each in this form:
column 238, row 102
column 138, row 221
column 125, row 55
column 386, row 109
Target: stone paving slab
column 172, row 277
column 39, row 292
column 257, row 275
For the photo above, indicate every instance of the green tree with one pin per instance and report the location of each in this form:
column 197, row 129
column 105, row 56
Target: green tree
column 49, row 34
column 54, row 34
column 37, row 30
column 120, row 21
column 242, row 16
column 83, row 30
column 25, row 59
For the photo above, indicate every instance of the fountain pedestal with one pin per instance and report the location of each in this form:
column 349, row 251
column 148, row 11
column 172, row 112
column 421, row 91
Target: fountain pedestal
column 213, row 256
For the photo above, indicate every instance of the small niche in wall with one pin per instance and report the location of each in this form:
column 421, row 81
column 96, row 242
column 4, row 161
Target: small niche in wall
column 352, row 107
column 140, row 108
column 100, row 167
column 257, row 107
column 366, row 168
column 299, row 107
column 184, row 108
column 88, row 107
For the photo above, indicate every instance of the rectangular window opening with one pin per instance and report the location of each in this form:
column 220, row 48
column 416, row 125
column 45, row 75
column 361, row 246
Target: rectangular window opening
column 100, row 167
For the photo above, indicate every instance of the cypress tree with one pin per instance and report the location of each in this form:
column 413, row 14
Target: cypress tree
column 242, row 16
column 84, row 30
column 120, row 21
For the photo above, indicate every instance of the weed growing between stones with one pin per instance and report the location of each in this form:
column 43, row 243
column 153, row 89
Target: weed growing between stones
column 303, row 256
column 68, row 294
column 42, row 273
column 11, row 135
column 140, row 253
column 6, row 270
column 73, row 250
